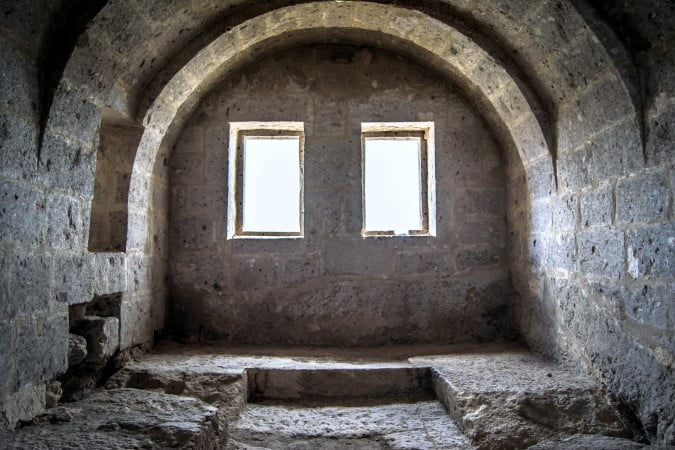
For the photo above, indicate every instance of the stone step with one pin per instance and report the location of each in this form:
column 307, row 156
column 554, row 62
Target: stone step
column 339, row 385
column 511, row 400
column 225, row 390
column 500, row 396
column 123, row 418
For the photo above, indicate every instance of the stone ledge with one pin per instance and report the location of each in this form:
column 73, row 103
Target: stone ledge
column 123, row 418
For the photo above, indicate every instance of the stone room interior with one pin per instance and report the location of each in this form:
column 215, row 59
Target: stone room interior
column 337, row 224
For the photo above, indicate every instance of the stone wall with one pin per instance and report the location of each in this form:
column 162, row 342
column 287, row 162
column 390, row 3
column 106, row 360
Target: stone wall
column 38, row 227
column 46, row 188
column 596, row 276
column 334, row 287
column 590, row 244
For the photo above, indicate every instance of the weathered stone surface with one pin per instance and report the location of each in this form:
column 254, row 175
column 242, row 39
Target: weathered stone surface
column 561, row 253
column 643, row 198
column 45, row 341
column 110, row 273
column 597, row 206
column 21, row 220
column 616, row 151
column 102, row 335
column 27, row 402
column 513, row 400
column 592, row 112
column 65, row 223
column 502, row 397
column 578, row 75
column 566, row 212
column 18, row 142
column 74, row 282
column 334, row 287
column 651, row 251
column 125, row 418
column 588, row 442
column 601, row 253
column 7, row 365
column 67, row 165
column 77, row 349
column 225, row 389
column 423, row 425
column 27, row 284
column 53, row 393
column 16, row 80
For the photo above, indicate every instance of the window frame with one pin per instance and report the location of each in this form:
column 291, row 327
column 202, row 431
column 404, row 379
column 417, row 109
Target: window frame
column 239, row 131
column 424, row 131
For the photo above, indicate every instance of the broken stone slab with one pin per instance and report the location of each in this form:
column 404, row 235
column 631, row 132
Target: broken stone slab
column 102, row 335
column 25, row 404
column 224, row 390
column 77, row 349
column 514, row 400
column 125, row 418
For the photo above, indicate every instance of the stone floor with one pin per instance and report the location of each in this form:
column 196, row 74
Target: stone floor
column 486, row 397
column 422, row 425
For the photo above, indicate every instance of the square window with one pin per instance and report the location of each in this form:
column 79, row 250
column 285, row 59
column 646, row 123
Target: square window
column 398, row 179
column 265, row 180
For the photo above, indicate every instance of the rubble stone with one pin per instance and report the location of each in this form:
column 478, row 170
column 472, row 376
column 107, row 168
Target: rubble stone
column 102, row 335
column 77, row 349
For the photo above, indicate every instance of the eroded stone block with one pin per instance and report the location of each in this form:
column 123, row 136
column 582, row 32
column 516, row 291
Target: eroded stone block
column 102, row 335
column 601, row 253
column 643, row 198
column 77, row 349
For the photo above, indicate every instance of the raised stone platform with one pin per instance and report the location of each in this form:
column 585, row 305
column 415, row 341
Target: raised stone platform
column 497, row 396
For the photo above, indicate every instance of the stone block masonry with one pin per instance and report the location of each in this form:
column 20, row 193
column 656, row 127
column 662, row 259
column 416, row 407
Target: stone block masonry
column 334, row 287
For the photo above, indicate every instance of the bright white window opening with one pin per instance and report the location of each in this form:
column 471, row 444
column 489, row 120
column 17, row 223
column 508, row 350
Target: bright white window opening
column 265, row 180
column 398, row 179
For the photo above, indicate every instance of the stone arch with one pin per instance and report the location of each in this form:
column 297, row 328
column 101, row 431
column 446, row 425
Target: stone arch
column 548, row 38
column 415, row 34
column 399, row 29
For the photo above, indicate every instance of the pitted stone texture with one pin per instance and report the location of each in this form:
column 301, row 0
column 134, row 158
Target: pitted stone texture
column 225, row 389
column 24, row 404
column 102, row 335
column 77, row 349
column 588, row 442
column 502, row 396
column 513, row 399
column 423, row 425
column 53, row 393
column 125, row 418
column 334, row 287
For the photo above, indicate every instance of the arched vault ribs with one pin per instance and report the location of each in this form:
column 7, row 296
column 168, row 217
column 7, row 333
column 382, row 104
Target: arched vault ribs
column 406, row 31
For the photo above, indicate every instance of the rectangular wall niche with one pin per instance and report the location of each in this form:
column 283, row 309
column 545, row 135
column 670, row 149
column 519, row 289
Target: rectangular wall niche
column 266, row 180
column 118, row 142
column 398, row 179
